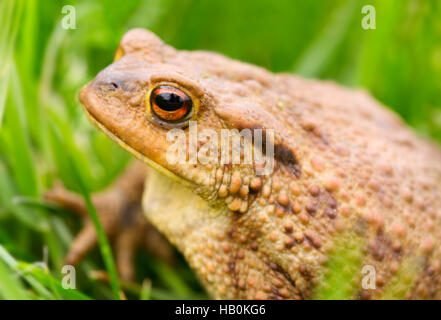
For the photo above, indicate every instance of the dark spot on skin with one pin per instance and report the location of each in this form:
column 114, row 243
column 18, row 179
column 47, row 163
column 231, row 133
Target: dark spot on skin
column 377, row 252
column 304, row 270
column 381, row 246
column 313, row 239
column 365, row 295
column 273, row 266
column 331, row 213
column 311, row 208
column 253, row 193
column 281, row 152
column 430, row 270
column 286, row 208
column 232, row 270
column 360, row 226
column 236, row 216
column 332, row 203
column 427, row 278
column 289, row 242
column 232, row 266
column 284, row 155
column 277, row 268
column 230, row 233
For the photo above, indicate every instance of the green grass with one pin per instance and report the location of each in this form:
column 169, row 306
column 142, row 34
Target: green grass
column 103, row 242
column 342, row 269
column 43, row 130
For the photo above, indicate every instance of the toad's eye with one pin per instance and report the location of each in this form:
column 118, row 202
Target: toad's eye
column 170, row 104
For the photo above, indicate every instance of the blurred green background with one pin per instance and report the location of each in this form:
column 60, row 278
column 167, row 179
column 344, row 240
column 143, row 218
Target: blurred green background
column 43, row 131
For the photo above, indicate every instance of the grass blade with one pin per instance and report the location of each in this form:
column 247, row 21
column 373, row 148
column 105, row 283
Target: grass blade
column 103, row 242
column 17, row 140
column 37, row 204
column 146, row 290
column 10, row 286
column 36, row 285
column 30, row 218
column 11, row 12
column 50, row 282
column 171, row 279
column 315, row 59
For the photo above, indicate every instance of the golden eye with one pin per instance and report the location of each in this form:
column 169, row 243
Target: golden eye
column 170, row 104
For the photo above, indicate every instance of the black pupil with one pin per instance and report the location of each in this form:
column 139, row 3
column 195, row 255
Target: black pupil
column 169, row 101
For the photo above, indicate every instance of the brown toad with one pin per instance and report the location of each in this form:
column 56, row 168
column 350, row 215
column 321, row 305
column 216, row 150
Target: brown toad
column 344, row 167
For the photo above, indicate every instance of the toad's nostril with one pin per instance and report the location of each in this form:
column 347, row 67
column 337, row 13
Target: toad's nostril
column 109, row 85
column 113, row 85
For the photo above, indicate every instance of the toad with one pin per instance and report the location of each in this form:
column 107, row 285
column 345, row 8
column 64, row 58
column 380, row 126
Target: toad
column 345, row 167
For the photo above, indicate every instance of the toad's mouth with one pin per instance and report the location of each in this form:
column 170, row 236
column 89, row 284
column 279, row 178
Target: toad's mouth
column 134, row 152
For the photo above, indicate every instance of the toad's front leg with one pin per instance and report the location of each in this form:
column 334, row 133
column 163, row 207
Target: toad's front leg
column 120, row 212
